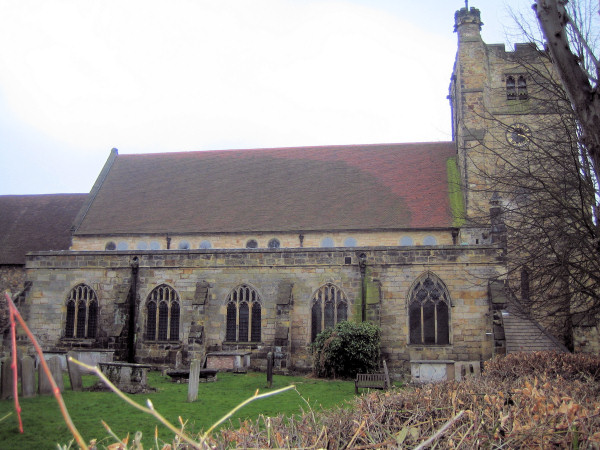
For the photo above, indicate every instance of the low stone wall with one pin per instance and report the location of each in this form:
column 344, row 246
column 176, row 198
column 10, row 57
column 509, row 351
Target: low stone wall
column 12, row 278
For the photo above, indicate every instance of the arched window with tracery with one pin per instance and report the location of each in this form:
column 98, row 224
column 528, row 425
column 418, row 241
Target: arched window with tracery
column 162, row 314
column 329, row 307
column 429, row 312
column 82, row 313
column 244, row 315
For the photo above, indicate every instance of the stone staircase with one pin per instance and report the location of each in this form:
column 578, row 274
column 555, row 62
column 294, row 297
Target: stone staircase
column 525, row 335
column 514, row 331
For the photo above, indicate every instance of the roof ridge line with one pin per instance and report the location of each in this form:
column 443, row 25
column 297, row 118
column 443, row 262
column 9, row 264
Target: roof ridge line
column 94, row 191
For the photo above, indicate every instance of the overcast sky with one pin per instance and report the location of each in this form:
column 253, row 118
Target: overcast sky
column 80, row 77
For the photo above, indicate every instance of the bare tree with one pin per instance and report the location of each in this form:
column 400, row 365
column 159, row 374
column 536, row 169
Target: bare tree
column 565, row 31
column 548, row 184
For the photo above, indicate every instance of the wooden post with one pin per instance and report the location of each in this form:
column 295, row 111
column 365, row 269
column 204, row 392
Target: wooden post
column 388, row 384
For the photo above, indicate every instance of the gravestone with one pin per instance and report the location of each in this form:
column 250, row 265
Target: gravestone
column 388, row 383
column 27, row 377
column 193, row 380
column 127, row 377
column 269, row 369
column 56, row 370
column 6, row 378
column 74, row 373
column 44, row 385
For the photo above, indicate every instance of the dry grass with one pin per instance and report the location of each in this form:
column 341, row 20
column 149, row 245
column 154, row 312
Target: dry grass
column 540, row 400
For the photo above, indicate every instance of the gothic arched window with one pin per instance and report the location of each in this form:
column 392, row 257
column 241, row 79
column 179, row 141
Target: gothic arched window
column 162, row 314
column 82, row 313
column 244, row 315
column 329, row 307
column 429, row 312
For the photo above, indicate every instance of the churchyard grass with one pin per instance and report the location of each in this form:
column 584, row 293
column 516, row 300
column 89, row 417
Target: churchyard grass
column 44, row 426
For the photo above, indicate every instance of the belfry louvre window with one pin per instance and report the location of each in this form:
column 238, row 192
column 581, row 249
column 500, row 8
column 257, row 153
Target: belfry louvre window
column 516, row 87
column 522, row 88
column 428, row 312
column 162, row 314
column 329, row 306
column 244, row 315
column 82, row 313
column 511, row 88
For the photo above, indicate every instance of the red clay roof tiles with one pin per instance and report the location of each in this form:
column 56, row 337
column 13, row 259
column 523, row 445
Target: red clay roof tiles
column 358, row 187
column 36, row 222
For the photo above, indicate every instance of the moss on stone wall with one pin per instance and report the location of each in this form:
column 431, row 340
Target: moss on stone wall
column 457, row 203
column 372, row 295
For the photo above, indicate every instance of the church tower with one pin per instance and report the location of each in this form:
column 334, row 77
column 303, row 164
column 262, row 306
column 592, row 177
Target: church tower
column 498, row 99
column 467, row 97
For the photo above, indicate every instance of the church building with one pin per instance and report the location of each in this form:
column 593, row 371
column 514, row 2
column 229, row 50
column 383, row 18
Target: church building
column 176, row 256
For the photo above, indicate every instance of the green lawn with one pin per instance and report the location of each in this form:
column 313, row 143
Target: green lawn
column 44, row 427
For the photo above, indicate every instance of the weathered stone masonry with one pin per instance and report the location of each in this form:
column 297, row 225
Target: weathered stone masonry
column 285, row 279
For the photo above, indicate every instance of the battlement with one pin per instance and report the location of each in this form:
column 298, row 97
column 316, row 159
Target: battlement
column 521, row 51
column 467, row 17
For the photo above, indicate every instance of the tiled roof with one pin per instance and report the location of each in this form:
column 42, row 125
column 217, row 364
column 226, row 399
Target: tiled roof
column 36, row 222
column 387, row 186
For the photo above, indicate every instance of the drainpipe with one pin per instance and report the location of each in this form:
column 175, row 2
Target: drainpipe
column 362, row 265
column 135, row 265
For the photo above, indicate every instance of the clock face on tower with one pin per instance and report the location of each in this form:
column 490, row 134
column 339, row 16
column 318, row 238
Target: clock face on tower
column 518, row 135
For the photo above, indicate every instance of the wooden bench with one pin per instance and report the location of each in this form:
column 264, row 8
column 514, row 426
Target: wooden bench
column 373, row 380
column 370, row 380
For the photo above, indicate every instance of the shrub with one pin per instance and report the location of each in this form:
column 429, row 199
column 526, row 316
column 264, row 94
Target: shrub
column 346, row 350
column 569, row 366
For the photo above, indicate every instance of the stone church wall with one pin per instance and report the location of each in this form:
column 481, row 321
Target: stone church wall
column 287, row 240
column 12, row 277
column 285, row 279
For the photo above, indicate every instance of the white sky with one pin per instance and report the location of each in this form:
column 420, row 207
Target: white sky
column 79, row 77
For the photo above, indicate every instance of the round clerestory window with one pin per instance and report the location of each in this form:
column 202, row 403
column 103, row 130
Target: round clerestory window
column 110, row 246
column 274, row 243
column 252, row 243
column 205, row 245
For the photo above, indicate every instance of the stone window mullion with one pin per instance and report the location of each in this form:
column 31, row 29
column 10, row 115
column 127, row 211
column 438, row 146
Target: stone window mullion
column 157, row 320
column 422, row 324
column 87, row 311
column 322, row 305
column 249, row 300
column 435, row 322
column 169, row 320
